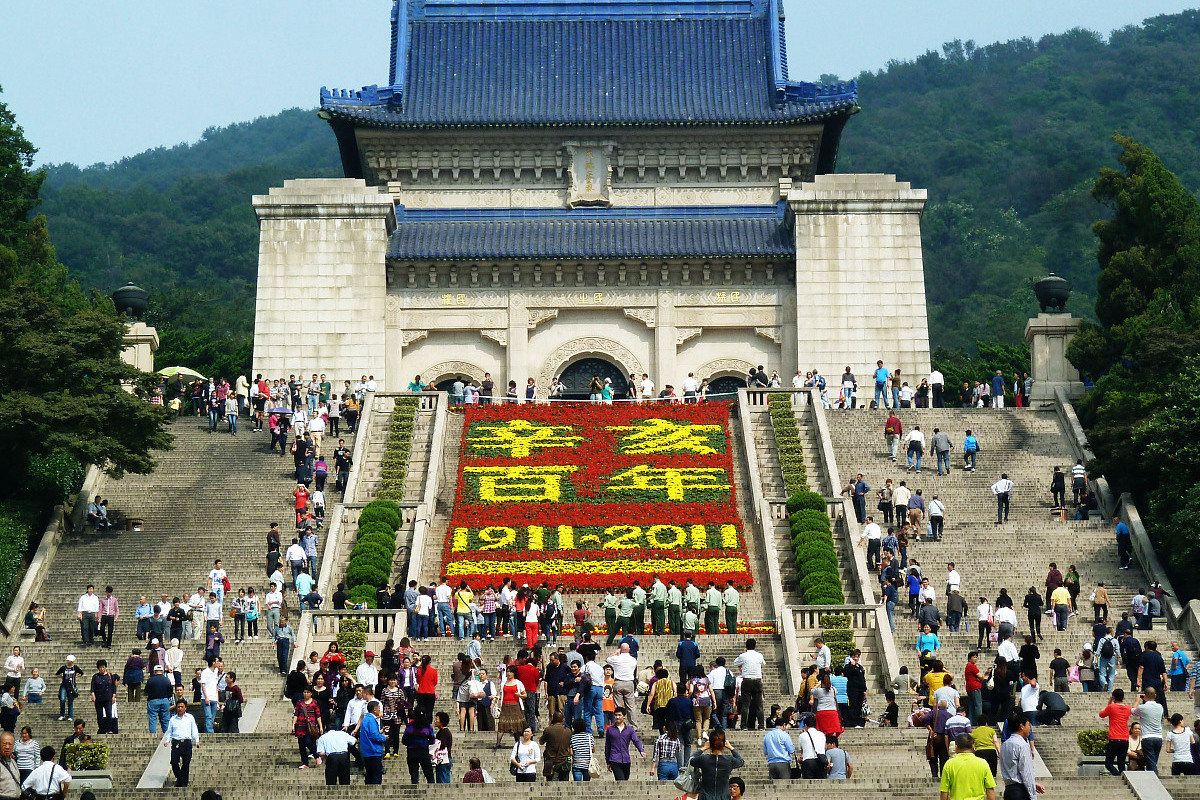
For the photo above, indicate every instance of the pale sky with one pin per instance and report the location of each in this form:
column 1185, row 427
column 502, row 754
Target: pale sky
column 100, row 81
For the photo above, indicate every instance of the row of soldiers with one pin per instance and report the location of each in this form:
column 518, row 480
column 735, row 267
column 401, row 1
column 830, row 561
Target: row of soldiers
column 671, row 609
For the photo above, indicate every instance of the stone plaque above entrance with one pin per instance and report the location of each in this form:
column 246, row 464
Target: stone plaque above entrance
column 591, row 173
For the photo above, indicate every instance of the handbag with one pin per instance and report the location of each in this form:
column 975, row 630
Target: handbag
column 594, row 766
column 822, row 759
column 687, row 782
column 512, row 768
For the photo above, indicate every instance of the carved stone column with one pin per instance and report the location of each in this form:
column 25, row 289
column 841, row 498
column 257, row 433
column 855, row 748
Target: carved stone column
column 517, row 362
column 1048, row 336
column 665, row 347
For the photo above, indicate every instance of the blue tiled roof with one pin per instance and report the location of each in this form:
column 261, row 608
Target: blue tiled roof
column 529, row 234
column 456, row 65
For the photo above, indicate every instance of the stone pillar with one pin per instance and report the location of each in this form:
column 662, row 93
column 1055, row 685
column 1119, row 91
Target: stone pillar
column 517, row 347
column 860, row 282
column 322, row 282
column 141, row 342
column 666, row 349
column 1048, row 336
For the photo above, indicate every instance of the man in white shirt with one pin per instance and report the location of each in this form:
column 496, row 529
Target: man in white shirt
column 371, row 385
column 1008, row 651
column 49, row 779
column 209, row 696
column 216, row 580
column 937, row 383
column 87, row 612
column 1002, row 489
column 823, row 657
column 914, row 445
column 646, row 388
column 1029, row 697
column 355, row 708
column 691, row 387
column 334, row 746
column 751, row 663
column 367, row 673
column 624, row 681
column 195, row 614
column 900, row 497
column 1006, row 616
column 445, row 616
column 182, row 736
column 811, row 742
column 953, row 580
column 274, row 602
column 872, row 535
column 721, row 700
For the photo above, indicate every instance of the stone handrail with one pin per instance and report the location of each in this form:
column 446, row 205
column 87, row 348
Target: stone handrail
column 436, row 402
column 1185, row 618
column 327, row 624
column 872, row 620
column 765, row 525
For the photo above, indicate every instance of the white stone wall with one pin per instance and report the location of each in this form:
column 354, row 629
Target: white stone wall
column 321, row 279
column 860, row 281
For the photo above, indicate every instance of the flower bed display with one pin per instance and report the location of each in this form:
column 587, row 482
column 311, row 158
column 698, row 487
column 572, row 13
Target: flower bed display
column 595, row 496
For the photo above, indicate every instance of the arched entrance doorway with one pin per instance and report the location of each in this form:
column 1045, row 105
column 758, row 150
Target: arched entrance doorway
column 725, row 388
column 579, row 375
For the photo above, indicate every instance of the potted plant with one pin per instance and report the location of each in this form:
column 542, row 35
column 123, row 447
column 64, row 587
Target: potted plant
column 88, row 764
column 1091, row 746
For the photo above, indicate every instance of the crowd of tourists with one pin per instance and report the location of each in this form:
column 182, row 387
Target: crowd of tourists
column 892, row 390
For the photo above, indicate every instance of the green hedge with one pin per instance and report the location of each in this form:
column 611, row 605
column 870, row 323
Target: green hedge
column 806, row 518
column 375, row 526
column 85, row 755
column 363, row 572
column 394, row 466
column 384, row 511
column 806, row 500
column 1092, row 742
column 52, row 478
column 370, row 565
column 787, row 440
column 835, row 621
column 362, row 594
column 840, row 641
column 17, row 522
column 352, row 640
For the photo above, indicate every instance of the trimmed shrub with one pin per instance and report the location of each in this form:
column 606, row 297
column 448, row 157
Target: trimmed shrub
column 388, row 509
column 1092, row 742
column 806, row 500
column 820, row 579
column 386, row 541
column 808, row 517
column 376, row 526
column 352, row 640
column 394, row 464
column 362, row 594
column 360, row 574
column 815, row 566
column 85, row 756
column 835, row 621
column 390, row 517
column 825, row 597
column 816, row 551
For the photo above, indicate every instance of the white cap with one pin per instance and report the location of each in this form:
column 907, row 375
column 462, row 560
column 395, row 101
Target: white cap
column 158, row 668
column 70, row 658
column 154, row 641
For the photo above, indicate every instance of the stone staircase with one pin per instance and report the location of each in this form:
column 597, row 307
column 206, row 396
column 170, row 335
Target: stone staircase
column 1026, row 444
column 212, row 496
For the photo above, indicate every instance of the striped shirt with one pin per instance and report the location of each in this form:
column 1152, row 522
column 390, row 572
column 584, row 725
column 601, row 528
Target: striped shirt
column 581, row 750
column 666, row 749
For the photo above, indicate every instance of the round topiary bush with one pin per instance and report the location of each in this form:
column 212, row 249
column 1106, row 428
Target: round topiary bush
column 359, row 574
column 825, row 596
column 384, row 540
column 806, row 535
column 362, row 594
column 376, row 526
column 806, row 500
column 816, row 552
column 812, row 566
column 389, row 514
column 1092, row 742
column 806, row 517
column 820, row 580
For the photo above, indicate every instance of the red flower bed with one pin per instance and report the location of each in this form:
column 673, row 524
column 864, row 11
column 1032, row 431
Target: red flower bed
column 595, row 496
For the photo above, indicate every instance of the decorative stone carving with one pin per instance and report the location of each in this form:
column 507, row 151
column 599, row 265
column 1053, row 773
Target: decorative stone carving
column 392, row 311
column 409, row 337
column 773, row 333
column 646, row 316
column 590, row 173
column 540, row 315
column 683, row 334
column 592, row 345
column 497, row 335
column 725, row 366
column 449, row 369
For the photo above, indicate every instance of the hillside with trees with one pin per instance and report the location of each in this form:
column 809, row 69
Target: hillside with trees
column 1008, row 139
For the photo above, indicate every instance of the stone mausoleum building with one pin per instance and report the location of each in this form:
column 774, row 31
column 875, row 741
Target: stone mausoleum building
column 560, row 187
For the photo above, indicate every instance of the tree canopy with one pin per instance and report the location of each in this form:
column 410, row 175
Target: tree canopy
column 1143, row 417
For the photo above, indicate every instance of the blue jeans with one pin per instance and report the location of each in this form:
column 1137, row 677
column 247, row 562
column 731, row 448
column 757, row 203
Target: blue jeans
column 214, row 417
column 489, row 625
column 880, row 402
column 593, row 708
column 668, row 770
column 422, row 628
column 895, row 398
column 891, row 612
column 312, row 403
column 210, row 712
column 463, row 625
column 1106, row 672
column 443, row 772
column 232, row 420
column 580, row 774
column 969, row 458
column 159, row 713
column 943, row 458
column 66, row 703
column 445, row 619
column 917, row 453
column 1151, row 748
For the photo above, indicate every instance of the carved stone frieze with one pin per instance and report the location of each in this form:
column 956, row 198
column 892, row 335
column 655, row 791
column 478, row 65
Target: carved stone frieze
column 725, row 366
column 772, row 332
column 497, row 335
column 409, row 337
column 591, row 345
column 449, row 369
column 539, row 315
column 683, row 334
column 646, row 316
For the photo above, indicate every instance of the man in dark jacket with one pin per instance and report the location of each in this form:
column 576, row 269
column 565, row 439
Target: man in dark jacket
column 159, row 689
column 856, row 689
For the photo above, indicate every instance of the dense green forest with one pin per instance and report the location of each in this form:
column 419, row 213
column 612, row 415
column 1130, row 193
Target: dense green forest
column 1008, row 139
